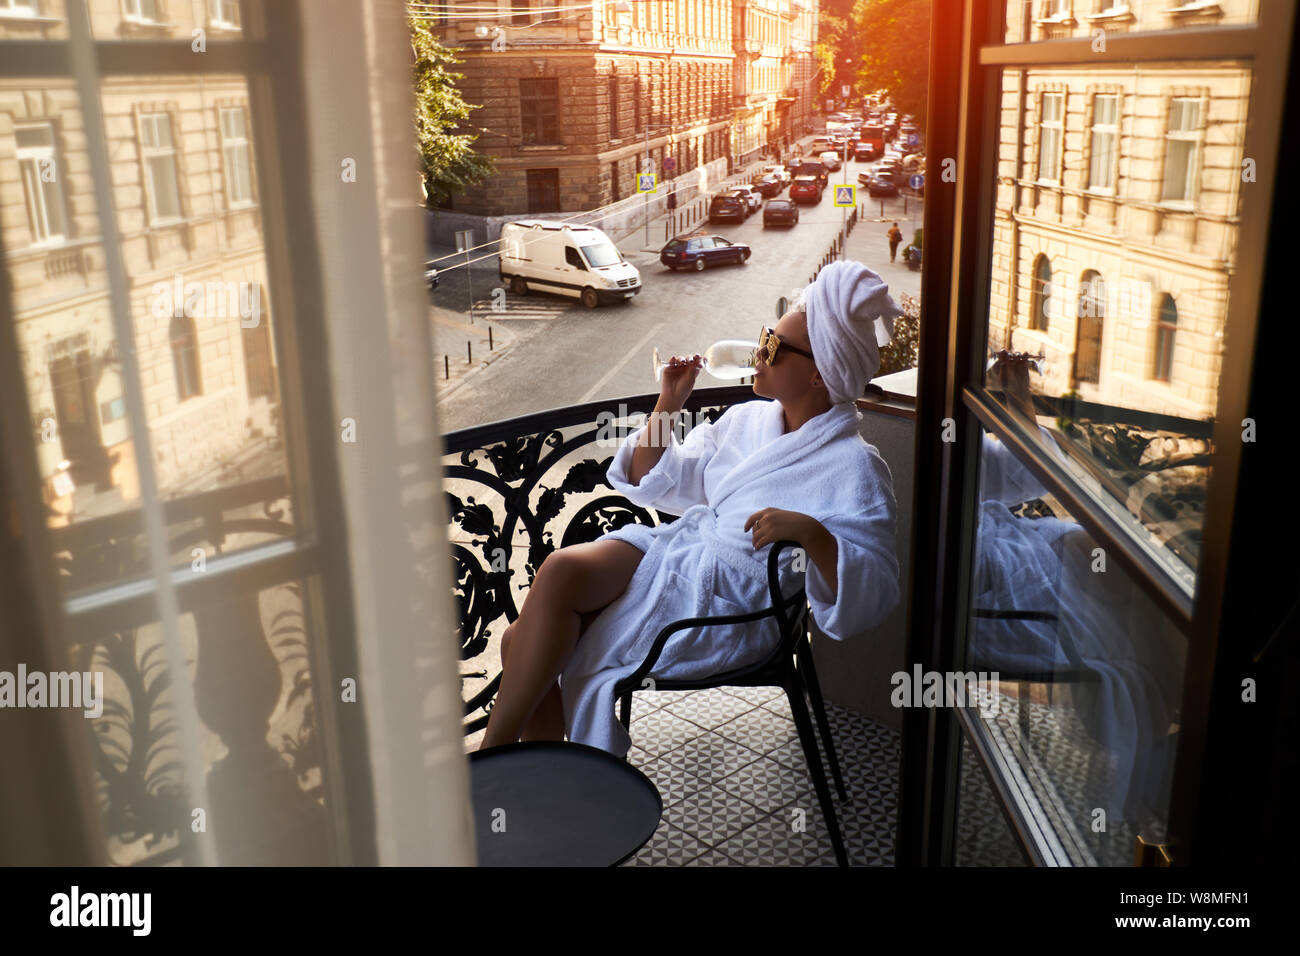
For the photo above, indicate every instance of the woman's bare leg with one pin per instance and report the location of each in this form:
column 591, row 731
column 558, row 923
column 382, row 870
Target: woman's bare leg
column 570, row 583
column 547, row 721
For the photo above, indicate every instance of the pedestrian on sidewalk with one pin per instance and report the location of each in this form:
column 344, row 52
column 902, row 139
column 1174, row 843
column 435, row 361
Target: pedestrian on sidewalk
column 895, row 237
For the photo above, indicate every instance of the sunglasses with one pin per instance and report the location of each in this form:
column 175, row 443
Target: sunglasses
column 769, row 345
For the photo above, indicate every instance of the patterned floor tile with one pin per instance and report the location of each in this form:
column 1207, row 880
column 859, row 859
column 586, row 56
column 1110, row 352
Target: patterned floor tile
column 755, row 695
column 713, row 858
column 759, row 730
column 668, row 847
column 711, row 815
column 710, row 757
column 710, row 708
column 768, row 785
column 774, row 841
column 660, row 731
column 671, row 781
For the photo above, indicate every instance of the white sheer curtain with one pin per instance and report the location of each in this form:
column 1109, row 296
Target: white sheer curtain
column 360, row 108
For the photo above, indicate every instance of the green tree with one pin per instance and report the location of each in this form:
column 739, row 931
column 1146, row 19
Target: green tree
column 448, row 161
column 826, row 64
column 897, row 57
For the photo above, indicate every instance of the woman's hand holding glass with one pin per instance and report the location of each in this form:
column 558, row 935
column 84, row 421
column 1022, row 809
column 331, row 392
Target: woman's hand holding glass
column 677, row 381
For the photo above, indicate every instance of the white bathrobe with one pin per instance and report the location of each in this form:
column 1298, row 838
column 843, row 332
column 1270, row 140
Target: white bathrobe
column 704, row 563
column 1022, row 564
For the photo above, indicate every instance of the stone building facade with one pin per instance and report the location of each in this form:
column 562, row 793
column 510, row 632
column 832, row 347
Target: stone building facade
column 576, row 102
column 1116, row 214
column 185, row 196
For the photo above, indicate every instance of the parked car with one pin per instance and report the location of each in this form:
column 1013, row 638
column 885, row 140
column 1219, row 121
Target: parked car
column 880, row 186
column 777, row 170
column 780, row 212
column 821, row 143
column 697, row 252
column 792, row 166
column 806, row 189
column 728, row 207
column 753, row 198
column 831, row 160
column 770, row 185
column 577, row 261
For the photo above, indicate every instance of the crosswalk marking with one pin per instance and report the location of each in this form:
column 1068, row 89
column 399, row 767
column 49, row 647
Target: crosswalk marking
column 522, row 307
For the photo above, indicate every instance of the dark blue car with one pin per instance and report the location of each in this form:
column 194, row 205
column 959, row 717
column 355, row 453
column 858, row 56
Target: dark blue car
column 696, row 252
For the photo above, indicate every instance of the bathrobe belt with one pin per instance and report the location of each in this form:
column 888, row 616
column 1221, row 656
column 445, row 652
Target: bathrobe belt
column 704, row 521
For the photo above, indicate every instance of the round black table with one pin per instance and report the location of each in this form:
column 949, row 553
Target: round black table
column 557, row 803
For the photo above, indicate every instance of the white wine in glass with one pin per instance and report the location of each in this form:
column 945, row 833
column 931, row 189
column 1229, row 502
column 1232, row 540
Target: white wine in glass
column 727, row 359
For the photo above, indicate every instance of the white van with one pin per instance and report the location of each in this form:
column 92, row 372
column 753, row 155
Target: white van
column 577, row 261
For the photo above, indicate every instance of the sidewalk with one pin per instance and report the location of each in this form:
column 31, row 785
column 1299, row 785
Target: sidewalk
column 461, row 348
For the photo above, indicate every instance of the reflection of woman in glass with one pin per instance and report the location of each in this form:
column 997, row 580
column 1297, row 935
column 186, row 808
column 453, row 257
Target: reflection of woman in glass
column 1102, row 620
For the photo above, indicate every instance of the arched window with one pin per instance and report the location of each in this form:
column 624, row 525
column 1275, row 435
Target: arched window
column 1092, row 316
column 1041, row 299
column 1166, row 326
column 185, row 357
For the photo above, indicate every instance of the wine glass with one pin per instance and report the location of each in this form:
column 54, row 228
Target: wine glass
column 1035, row 361
column 726, row 359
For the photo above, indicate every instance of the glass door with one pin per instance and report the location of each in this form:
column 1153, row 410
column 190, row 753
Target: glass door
column 1109, row 209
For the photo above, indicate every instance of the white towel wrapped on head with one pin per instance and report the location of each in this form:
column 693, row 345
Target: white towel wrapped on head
column 850, row 317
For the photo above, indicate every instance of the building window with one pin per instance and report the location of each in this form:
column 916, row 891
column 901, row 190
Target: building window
column 158, row 152
column 1041, row 298
column 521, row 15
column 1092, row 315
column 543, row 190
column 234, row 149
column 1166, row 326
column 39, row 170
column 185, row 357
column 1049, row 137
column 1105, row 139
column 1180, row 149
column 613, row 106
column 140, row 11
column 539, row 110
column 18, row 8
column 224, row 13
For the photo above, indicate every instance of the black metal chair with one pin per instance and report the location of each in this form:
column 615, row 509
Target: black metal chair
column 778, row 669
column 1077, row 673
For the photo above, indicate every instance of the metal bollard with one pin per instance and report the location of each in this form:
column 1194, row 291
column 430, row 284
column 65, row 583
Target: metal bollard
column 469, row 351
column 446, row 366
column 491, row 346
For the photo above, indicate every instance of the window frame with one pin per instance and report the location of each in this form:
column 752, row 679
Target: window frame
column 956, row 288
column 34, row 155
column 1105, row 129
column 1166, row 338
column 138, row 16
column 1193, row 139
column 536, row 115
column 148, row 153
column 1057, row 126
column 217, row 14
column 227, row 143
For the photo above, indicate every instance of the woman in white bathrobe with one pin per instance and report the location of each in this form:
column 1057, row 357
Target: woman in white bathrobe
column 795, row 468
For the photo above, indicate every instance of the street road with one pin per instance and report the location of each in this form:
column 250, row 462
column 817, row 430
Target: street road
column 565, row 354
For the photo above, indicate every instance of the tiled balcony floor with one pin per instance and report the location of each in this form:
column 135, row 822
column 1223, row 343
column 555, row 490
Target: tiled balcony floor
column 736, row 789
